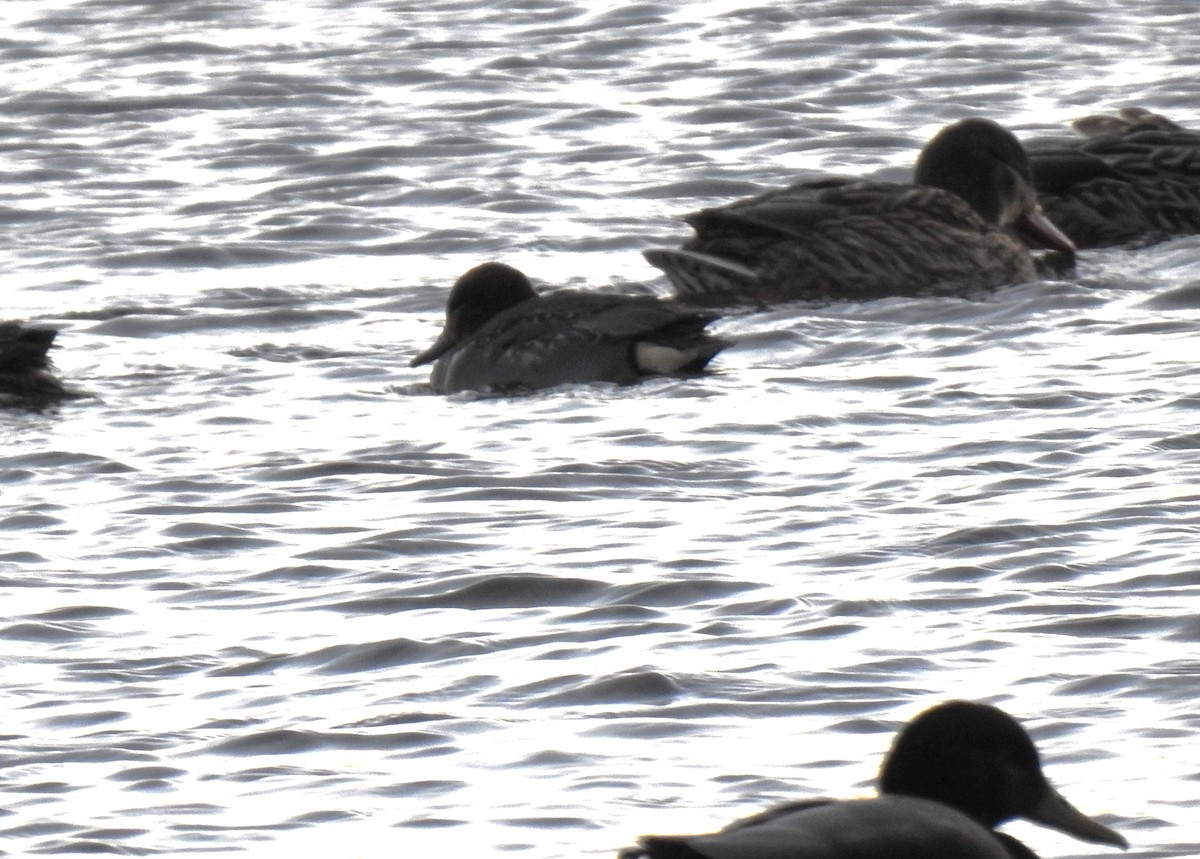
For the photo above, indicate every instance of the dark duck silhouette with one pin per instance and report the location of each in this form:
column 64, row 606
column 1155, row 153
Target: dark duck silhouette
column 953, row 774
column 25, row 367
column 501, row 336
column 965, row 224
column 1133, row 180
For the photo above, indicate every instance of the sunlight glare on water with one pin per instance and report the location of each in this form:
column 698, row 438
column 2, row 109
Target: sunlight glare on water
column 266, row 593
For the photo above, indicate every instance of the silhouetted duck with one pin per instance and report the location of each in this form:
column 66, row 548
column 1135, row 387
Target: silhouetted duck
column 955, row 230
column 500, row 336
column 1133, row 181
column 953, row 774
column 25, row 368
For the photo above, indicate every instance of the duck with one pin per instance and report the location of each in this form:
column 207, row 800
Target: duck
column 501, row 336
column 1131, row 180
column 25, row 366
column 952, row 774
column 966, row 223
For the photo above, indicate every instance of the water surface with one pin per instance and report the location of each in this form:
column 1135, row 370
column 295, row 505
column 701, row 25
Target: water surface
column 266, row 593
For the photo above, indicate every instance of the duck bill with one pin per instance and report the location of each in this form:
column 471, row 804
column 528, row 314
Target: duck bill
column 445, row 342
column 1055, row 812
column 1040, row 231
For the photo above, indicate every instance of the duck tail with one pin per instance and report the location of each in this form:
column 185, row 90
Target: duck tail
column 679, row 348
column 674, row 358
column 25, row 374
column 703, row 278
column 23, row 350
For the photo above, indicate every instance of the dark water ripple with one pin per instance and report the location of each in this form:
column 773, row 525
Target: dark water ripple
column 267, row 594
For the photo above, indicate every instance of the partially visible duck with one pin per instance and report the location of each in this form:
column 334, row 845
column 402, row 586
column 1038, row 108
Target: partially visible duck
column 953, row 774
column 501, row 336
column 1134, row 179
column 25, row 368
column 955, row 230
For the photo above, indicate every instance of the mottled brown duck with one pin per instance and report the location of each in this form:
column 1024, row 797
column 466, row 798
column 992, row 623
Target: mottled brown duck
column 965, row 224
column 1132, row 180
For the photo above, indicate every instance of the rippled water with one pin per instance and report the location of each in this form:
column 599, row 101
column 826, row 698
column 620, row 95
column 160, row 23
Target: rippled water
column 265, row 592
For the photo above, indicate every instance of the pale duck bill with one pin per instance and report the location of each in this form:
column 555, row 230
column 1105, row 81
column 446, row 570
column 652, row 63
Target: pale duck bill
column 1041, row 231
column 1055, row 812
column 445, row 342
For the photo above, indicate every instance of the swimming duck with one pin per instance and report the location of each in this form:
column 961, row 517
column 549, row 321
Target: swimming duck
column 954, row 230
column 955, row 772
column 501, row 336
column 24, row 363
column 1132, row 181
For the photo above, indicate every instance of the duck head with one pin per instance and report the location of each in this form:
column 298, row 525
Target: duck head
column 983, row 163
column 476, row 297
column 976, row 758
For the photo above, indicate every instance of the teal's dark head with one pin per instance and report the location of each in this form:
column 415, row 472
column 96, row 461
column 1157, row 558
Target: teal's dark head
column 479, row 295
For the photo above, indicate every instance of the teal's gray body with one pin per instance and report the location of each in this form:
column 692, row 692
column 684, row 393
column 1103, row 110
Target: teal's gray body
column 500, row 336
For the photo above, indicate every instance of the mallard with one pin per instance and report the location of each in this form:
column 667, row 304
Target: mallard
column 501, row 336
column 1132, row 180
column 952, row 775
column 965, row 224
